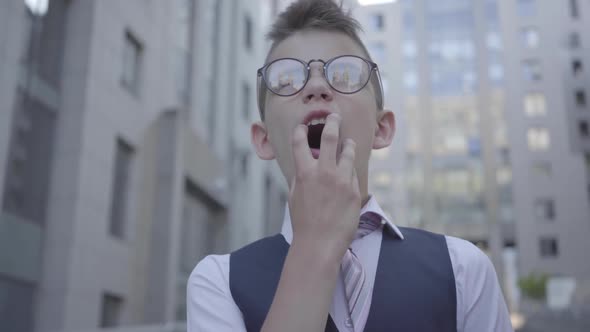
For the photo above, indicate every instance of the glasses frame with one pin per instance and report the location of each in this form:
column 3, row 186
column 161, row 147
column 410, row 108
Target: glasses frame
column 261, row 73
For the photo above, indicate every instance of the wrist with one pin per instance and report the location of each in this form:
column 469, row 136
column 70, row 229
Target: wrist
column 316, row 254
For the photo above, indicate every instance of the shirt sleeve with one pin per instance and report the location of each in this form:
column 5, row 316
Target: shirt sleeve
column 480, row 302
column 210, row 306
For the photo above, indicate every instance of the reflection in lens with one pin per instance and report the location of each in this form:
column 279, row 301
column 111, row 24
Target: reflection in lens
column 285, row 76
column 348, row 74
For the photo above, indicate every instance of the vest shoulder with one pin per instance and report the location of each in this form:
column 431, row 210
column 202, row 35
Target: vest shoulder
column 262, row 245
column 416, row 232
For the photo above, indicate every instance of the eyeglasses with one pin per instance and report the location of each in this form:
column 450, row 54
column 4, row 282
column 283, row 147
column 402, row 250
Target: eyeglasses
column 346, row 74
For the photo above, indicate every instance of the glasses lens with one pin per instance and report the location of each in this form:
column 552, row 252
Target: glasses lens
column 348, row 74
column 286, row 76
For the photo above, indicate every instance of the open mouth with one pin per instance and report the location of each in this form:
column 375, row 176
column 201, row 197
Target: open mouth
column 314, row 135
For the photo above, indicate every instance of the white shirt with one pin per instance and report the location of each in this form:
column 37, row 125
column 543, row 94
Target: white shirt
column 480, row 303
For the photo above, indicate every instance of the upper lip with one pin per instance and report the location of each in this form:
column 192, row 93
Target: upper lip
column 317, row 114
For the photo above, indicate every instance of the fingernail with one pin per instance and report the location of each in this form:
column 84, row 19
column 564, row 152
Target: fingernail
column 335, row 116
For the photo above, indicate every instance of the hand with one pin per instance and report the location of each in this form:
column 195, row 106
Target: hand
column 324, row 197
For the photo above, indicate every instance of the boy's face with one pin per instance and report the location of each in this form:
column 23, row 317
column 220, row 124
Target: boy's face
column 361, row 121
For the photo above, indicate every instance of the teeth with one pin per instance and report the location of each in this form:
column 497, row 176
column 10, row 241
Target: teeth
column 314, row 122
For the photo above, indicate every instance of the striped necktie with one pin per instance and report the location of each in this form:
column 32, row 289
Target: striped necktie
column 353, row 273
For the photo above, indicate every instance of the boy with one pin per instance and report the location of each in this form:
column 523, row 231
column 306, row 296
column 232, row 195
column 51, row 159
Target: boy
column 339, row 264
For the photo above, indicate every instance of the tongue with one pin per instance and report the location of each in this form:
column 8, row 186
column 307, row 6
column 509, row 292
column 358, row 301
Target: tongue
column 315, row 153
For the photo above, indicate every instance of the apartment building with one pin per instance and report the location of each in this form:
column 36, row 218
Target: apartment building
column 124, row 156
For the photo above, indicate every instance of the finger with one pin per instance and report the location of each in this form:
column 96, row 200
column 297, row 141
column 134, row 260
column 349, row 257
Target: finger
column 355, row 181
column 292, row 187
column 346, row 162
column 329, row 143
column 301, row 152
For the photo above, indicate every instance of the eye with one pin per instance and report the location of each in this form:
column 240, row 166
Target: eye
column 286, row 76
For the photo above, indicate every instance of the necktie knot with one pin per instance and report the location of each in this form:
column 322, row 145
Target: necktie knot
column 369, row 222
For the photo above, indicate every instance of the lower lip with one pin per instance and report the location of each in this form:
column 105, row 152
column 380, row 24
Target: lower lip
column 315, row 153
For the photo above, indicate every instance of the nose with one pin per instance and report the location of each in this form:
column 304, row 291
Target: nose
column 317, row 88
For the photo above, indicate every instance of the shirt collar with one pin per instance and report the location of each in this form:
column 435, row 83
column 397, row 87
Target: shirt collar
column 370, row 206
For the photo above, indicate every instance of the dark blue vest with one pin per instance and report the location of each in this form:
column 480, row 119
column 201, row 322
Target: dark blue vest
column 414, row 286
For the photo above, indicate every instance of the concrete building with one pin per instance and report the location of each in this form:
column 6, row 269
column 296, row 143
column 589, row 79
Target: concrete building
column 548, row 125
column 491, row 99
column 448, row 167
column 124, row 156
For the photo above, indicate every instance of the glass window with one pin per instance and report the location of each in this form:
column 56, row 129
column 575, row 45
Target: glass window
column 120, row 189
column 248, row 32
column 530, row 37
column 410, row 81
column 382, row 180
column 548, row 247
column 535, row 104
column 577, row 67
column 503, row 176
column 574, row 9
column 380, row 154
column 526, row 8
column 409, row 49
column 538, row 139
column 574, row 40
column 183, row 52
column 545, row 209
column 494, row 41
column 37, row 7
column 496, row 72
column 542, row 169
column 377, row 51
column 532, row 70
column 111, row 310
column 16, row 305
column 132, row 50
column 245, row 100
column 583, row 128
column 580, row 98
column 244, row 165
column 26, row 186
column 376, row 22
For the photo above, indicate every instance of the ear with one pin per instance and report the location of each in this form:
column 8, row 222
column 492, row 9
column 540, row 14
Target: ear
column 385, row 129
column 259, row 138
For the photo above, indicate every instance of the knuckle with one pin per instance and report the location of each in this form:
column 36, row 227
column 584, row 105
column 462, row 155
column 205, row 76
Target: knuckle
column 302, row 174
column 343, row 184
column 349, row 153
column 330, row 135
column 326, row 173
column 298, row 139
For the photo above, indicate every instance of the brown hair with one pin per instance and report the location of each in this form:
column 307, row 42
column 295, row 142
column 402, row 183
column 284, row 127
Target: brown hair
column 302, row 15
column 323, row 15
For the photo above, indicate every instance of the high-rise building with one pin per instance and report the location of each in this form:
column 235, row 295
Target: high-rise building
column 448, row 169
column 492, row 139
column 124, row 155
column 548, row 55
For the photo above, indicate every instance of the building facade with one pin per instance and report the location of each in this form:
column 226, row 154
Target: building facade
column 124, row 156
column 492, row 137
column 449, row 163
column 548, row 126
